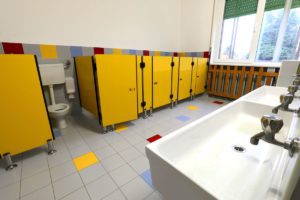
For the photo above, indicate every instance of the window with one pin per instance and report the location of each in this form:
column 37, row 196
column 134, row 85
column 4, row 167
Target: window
column 257, row 31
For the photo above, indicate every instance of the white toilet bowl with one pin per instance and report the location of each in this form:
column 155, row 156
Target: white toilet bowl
column 58, row 112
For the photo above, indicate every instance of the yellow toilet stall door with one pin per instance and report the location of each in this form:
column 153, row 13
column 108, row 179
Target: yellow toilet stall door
column 117, row 88
column 23, row 113
column 165, row 81
column 201, row 75
column 185, row 77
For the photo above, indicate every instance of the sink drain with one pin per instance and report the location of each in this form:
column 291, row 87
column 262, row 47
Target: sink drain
column 239, row 149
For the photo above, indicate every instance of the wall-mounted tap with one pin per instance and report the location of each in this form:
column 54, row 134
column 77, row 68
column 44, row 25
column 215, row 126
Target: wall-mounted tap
column 271, row 125
column 285, row 100
column 292, row 89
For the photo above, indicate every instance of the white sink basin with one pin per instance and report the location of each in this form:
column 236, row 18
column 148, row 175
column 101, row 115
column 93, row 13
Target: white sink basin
column 199, row 161
column 269, row 95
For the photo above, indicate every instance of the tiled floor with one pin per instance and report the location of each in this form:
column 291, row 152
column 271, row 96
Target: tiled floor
column 122, row 171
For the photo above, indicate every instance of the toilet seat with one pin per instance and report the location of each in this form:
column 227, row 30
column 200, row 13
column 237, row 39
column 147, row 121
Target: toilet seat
column 58, row 108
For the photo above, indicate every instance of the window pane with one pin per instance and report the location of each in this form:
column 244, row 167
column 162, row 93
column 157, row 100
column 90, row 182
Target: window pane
column 268, row 35
column 236, row 37
column 290, row 46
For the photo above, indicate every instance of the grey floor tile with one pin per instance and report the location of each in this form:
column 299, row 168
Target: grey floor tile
column 79, row 151
column 105, row 152
column 154, row 196
column 123, row 175
column 80, row 194
column 10, row 192
column 101, row 187
column 67, row 185
column 35, row 182
column 113, row 162
column 92, row 173
column 130, row 154
column 136, row 189
column 116, row 195
column 58, row 158
column 45, row 193
column 10, row 177
column 140, row 164
column 33, row 166
column 62, row 170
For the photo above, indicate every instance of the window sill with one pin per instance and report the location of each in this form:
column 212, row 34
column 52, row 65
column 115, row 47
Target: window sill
column 257, row 64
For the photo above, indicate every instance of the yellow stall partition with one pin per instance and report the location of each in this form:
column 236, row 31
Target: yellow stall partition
column 165, row 80
column 117, row 88
column 86, row 80
column 201, row 75
column 24, row 118
column 144, row 72
column 185, row 77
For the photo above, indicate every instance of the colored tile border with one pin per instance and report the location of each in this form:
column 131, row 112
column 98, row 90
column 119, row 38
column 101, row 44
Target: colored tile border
column 183, row 118
column 98, row 50
column 154, row 138
column 85, row 161
column 76, row 51
column 146, row 176
column 218, row 102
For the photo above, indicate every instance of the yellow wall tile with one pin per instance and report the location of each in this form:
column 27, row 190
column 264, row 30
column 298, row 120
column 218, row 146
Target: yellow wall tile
column 48, row 51
column 117, row 51
column 182, row 54
column 157, row 53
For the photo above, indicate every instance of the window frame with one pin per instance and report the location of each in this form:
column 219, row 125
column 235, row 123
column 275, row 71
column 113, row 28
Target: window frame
column 219, row 8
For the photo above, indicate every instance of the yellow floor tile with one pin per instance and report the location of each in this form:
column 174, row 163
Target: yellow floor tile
column 120, row 128
column 192, row 107
column 85, row 161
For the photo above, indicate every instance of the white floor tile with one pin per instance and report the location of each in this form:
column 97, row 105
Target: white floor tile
column 10, row 192
column 136, row 189
column 67, row 185
column 80, row 194
column 45, row 193
column 130, row 154
column 62, row 170
column 79, row 151
column 116, row 195
column 123, row 175
column 34, row 166
column 35, row 182
column 140, row 164
column 10, row 177
column 113, row 162
column 59, row 158
column 101, row 187
column 92, row 173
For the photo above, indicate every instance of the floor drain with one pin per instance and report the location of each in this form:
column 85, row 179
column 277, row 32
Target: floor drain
column 239, row 149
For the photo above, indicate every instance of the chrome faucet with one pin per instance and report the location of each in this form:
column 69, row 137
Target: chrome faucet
column 271, row 125
column 285, row 100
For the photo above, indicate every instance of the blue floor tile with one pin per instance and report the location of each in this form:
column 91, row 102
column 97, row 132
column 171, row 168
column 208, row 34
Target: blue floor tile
column 146, row 176
column 183, row 118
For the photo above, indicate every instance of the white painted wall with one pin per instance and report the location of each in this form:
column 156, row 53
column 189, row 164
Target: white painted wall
column 165, row 25
column 128, row 24
column 196, row 23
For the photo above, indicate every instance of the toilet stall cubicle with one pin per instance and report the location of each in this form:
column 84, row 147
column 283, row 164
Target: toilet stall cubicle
column 117, row 88
column 24, row 117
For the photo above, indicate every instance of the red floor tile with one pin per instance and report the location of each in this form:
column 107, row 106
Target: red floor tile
column 154, row 138
column 218, row 102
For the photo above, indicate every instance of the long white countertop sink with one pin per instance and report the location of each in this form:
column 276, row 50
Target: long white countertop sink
column 202, row 160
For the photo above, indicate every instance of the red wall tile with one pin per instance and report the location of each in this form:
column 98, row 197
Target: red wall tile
column 146, row 53
column 15, row 48
column 175, row 54
column 98, row 50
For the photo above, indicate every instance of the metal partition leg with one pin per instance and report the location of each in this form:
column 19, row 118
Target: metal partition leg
column 51, row 149
column 9, row 163
column 145, row 114
column 172, row 104
column 150, row 112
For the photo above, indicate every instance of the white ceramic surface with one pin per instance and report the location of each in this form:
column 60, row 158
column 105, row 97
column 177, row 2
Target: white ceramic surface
column 198, row 161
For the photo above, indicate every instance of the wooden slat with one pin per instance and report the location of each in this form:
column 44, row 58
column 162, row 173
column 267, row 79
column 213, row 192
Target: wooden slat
column 226, row 81
column 219, row 92
column 209, row 80
column 233, row 82
column 241, row 83
column 268, row 81
column 259, row 77
column 249, row 81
